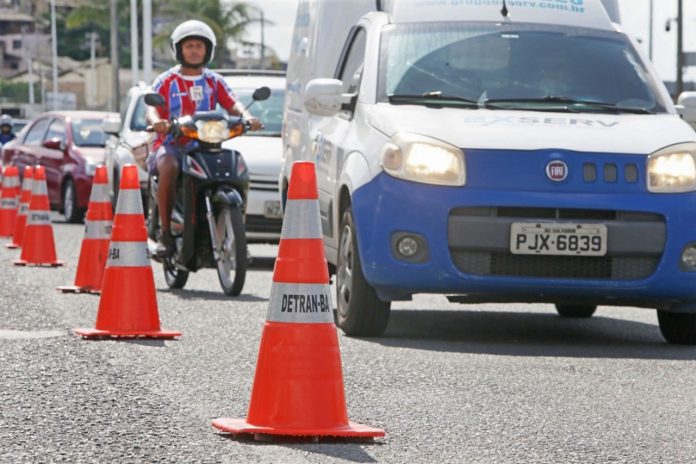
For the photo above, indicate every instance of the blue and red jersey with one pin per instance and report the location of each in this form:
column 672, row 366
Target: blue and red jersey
column 186, row 95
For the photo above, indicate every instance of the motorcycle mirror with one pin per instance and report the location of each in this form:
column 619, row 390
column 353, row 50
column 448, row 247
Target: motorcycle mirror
column 154, row 99
column 262, row 93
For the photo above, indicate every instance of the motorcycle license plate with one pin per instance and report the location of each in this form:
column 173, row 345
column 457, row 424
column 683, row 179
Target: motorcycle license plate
column 558, row 239
column 271, row 209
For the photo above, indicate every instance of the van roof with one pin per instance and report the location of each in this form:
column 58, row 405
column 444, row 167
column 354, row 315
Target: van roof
column 576, row 13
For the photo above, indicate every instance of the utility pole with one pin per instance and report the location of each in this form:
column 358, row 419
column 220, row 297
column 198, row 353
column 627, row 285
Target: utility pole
column 54, row 52
column 680, row 50
column 115, row 97
column 134, row 41
column 263, row 41
column 650, row 32
column 93, row 66
column 30, row 65
column 147, row 41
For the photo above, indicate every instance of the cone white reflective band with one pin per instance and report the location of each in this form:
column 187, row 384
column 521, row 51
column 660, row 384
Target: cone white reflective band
column 301, row 303
column 129, row 202
column 39, row 188
column 301, row 219
column 99, row 194
column 9, row 203
column 38, row 218
column 23, row 209
column 128, row 254
column 98, row 230
column 28, row 184
column 10, row 182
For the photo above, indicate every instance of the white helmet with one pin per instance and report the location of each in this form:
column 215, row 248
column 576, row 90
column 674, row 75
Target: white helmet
column 5, row 120
column 193, row 29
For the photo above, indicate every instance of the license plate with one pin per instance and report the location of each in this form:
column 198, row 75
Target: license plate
column 558, row 239
column 271, row 209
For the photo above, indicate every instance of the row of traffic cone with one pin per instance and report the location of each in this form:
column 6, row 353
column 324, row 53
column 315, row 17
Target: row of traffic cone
column 298, row 355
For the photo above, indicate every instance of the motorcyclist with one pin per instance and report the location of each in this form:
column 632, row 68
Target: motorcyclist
column 186, row 88
column 6, row 133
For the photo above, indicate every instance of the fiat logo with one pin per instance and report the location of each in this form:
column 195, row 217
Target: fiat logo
column 557, row 171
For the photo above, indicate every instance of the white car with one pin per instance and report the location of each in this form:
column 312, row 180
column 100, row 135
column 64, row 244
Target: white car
column 130, row 143
column 261, row 151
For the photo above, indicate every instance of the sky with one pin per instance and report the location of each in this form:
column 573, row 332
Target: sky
column 635, row 14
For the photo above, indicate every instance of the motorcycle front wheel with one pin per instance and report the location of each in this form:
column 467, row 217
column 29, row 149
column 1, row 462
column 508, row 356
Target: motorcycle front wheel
column 232, row 265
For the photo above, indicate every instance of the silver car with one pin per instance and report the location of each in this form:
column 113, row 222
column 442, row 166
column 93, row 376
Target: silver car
column 130, row 143
column 261, row 151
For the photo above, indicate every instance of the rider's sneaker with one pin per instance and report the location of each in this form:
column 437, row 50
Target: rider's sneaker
column 166, row 245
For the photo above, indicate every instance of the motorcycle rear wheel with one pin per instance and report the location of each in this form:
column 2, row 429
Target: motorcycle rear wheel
column 231, row 268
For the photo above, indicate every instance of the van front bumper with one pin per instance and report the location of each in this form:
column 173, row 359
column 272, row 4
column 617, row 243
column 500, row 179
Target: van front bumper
column 466, row 235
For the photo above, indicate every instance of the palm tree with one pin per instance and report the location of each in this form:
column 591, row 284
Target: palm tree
column 229, row 20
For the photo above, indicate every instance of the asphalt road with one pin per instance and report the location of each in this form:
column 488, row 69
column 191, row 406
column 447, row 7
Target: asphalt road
column 448, row 383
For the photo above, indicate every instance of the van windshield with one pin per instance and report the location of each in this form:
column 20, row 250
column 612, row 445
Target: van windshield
column 525, row 67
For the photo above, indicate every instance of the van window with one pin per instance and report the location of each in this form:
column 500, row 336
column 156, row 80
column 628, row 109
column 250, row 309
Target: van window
column 483, row 61
column 88, row 133
column 37, row 131
column 351, row 70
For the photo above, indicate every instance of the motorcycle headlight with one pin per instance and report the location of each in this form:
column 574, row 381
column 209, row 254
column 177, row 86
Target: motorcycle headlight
column 423, row 159
column 212, row 131
column 673, row 169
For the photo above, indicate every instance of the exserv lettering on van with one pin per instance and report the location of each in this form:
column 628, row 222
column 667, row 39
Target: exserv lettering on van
column 525, row 152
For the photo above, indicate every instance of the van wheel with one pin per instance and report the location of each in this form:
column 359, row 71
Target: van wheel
column 359, row 311
column 677, row 328
column 73, row 214
column 576, row 311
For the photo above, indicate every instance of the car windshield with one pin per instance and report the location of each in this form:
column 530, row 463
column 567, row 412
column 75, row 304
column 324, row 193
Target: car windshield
column 88, row 133
column 525, row 67
column 269, row 112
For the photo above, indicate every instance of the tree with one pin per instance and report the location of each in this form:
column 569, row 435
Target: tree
column 228, row 21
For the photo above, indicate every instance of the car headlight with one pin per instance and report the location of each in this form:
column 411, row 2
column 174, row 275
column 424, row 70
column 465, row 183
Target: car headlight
column 673, row 169
column 212, row 131
column 423, row 159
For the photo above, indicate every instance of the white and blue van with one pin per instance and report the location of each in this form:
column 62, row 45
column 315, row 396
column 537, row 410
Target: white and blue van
column 491, row 151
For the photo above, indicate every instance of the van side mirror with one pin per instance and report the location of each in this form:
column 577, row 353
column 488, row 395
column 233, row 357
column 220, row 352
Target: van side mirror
column 686, row 106
column 111, row 125
column 324, row 97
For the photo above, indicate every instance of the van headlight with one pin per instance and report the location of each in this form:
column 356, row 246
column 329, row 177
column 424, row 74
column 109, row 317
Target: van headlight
column 673, row 169
column 423, row 159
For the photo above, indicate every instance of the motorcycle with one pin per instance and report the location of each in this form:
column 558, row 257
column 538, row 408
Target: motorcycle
column 208, row 216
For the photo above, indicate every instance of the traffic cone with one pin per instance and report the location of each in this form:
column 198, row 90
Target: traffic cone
column 128, row 303
column 9, row 200
column 298, row 386
column 38, row 246
column 24, row 199
column 95, row 245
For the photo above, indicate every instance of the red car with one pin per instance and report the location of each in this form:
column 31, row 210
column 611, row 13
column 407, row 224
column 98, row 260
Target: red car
column 70, row 145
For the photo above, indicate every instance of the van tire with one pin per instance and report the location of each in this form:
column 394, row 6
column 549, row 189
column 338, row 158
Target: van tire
column 677, row 328
column 576, row 311
column 359, row 312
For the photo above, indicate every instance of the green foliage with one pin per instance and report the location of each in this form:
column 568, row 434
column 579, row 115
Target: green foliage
column 228, row 20
column 17, row 92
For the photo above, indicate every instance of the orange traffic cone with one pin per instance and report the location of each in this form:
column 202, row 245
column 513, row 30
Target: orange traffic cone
column 9, row 201
column 95, row 245
column 298, row 387
column 38, row 247
column 128, row 303
column 24, row 199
